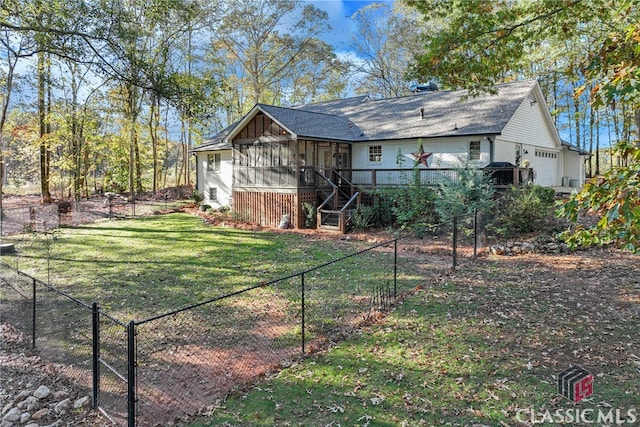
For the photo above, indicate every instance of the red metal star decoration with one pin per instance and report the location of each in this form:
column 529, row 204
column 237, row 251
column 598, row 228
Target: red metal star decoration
column 422, row 157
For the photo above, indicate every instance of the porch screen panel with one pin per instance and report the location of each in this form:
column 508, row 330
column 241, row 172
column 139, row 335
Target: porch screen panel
column 264, row 164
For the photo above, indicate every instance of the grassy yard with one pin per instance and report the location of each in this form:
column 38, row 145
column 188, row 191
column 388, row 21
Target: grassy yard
column 478, row 347
column 150, row 265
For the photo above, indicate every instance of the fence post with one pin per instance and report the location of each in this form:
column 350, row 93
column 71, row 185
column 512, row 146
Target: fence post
column 33, row 319
column 302, row 312
column 455, row 241
column 32, row 218
column 95, row 320
column 395, row 268
column 475, row 233
column 131, row 374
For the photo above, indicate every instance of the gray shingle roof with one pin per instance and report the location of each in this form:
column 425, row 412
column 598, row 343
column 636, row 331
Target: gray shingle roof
column 445, row 113
column 217, row 142
column 312, row 124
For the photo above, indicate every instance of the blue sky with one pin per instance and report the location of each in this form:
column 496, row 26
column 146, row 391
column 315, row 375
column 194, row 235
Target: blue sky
column 340, row 12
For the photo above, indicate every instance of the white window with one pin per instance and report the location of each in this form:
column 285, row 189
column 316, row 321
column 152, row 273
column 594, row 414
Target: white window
column 213, row 162
column 213, row 194
column 474, row 150
column 375, row 153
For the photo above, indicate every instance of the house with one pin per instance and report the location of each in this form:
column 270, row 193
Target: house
column 275, row 159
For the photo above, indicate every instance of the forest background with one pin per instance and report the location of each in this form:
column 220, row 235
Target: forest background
column 106, row 95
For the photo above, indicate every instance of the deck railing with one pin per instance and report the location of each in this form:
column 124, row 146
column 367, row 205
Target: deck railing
column 375, row 178
column 286, row 177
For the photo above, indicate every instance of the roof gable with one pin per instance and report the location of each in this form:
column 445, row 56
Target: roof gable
column 422, row 115
column 312, row 124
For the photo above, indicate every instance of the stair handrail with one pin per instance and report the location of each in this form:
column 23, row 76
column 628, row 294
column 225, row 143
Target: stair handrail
column 349, row 183
column 354, row 197
column 333, row 194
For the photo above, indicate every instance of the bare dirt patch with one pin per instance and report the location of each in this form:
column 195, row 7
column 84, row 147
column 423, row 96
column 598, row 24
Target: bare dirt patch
column 593, row 290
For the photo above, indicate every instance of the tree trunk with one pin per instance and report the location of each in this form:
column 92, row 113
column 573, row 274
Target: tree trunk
column 598, row 150
column 591, row 130
column 138, row 163
column 153, row 132
column 44, row 150
column 637, row 120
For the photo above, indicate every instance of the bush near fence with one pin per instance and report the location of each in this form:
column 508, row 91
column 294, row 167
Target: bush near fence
column 156, row 370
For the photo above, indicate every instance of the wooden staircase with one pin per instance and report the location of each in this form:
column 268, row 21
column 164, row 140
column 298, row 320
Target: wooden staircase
column 340, row 198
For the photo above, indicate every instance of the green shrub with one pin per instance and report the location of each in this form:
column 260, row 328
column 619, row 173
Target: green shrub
column 197, row 196
column 364, row 217
column 524, row 210
column 310, row 212
column 404, row 207
column 469, row 190
column 615, row 199
column 413, row 207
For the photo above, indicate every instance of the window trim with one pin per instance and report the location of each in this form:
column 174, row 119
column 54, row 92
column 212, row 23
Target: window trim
column 475, row 154
column 216, row 162
column 375, row 154
column 214, row 190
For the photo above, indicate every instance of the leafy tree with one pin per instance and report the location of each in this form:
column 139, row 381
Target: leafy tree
column 615, row 199
column 487, row 42
column 272, row 54
column 385, row 41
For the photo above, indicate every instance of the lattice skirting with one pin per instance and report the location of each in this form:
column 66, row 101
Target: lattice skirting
column 267, row 208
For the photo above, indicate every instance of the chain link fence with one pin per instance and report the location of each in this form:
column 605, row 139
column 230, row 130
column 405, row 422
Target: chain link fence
column 54, row 322
column 157, row 370
column 44, row 217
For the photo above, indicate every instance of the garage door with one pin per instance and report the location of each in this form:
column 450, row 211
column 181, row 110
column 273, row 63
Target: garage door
column 545, row 165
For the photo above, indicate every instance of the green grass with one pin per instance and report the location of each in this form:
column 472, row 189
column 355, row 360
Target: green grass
column 149, row 265
column 472, row 347
column 468, row 350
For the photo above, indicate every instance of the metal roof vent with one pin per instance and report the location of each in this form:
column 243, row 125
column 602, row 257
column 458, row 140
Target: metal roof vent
column 428, row 87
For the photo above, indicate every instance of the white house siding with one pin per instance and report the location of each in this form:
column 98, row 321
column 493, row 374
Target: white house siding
column 573, row 168
column 399, row 154
column 222, row 180
column 530, row 115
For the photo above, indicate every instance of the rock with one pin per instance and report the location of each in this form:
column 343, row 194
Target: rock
column 33, row 405
column 6, row 408
column 62, row 406
column 23, row 394
column 40, row 414
column 42, row 392
column 13, row 415
column 497, row 250
column 528, row 247
column 30, row 404
column 32, row 425
column 26, row 416
column 60, row 394
column 83, row 401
